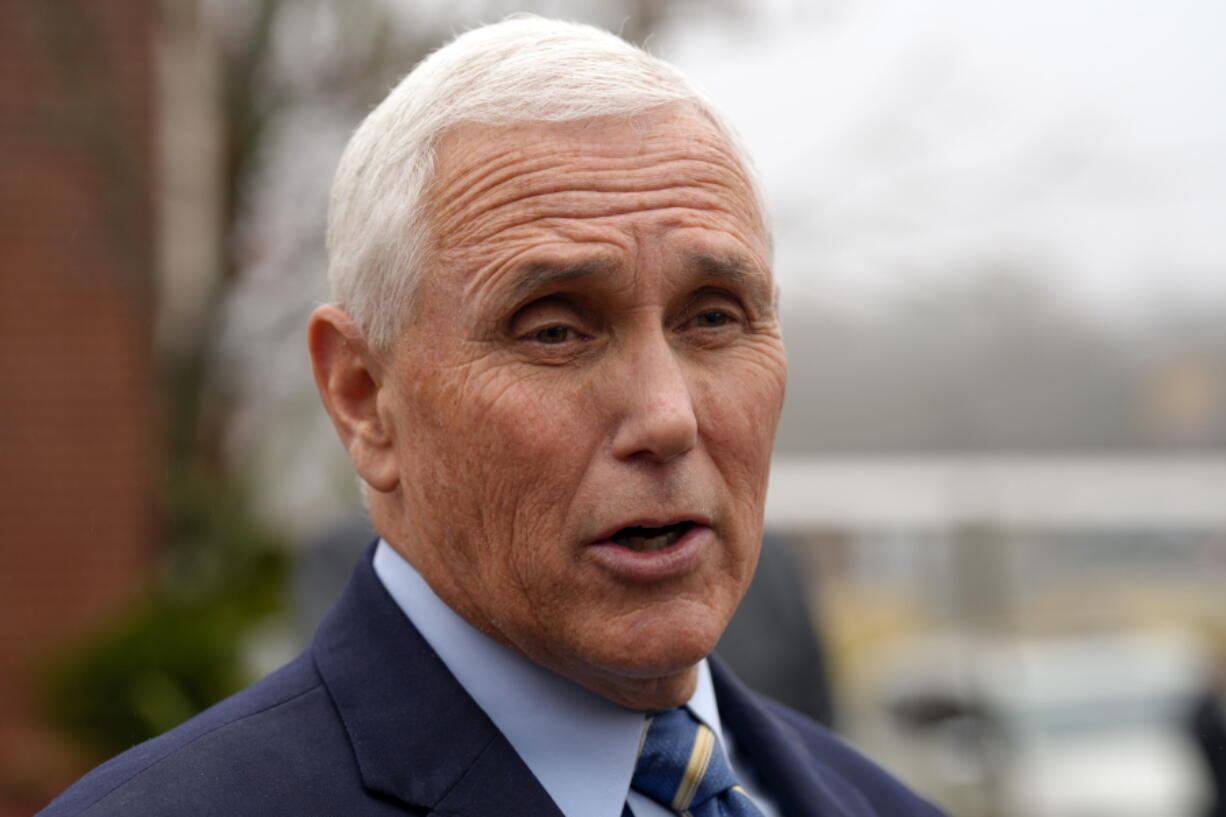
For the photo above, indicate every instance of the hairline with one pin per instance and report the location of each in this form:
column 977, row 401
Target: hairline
column 386, row 238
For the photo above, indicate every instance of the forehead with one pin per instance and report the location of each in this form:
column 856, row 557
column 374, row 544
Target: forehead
column 511, row 186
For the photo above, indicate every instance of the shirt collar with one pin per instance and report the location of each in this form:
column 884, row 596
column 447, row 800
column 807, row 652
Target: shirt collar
column 581, row 747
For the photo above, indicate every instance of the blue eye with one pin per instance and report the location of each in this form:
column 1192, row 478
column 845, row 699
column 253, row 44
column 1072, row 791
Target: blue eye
column 551, row 335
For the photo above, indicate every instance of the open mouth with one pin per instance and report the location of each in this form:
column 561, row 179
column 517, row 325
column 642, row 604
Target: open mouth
column 644, row 540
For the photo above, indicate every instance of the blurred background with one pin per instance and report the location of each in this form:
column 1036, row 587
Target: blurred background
column 997, row 520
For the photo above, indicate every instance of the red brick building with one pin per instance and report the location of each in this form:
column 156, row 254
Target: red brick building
column 78, row 430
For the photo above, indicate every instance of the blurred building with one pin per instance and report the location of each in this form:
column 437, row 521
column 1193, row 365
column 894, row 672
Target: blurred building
column 77, row 419
column 1017, row 635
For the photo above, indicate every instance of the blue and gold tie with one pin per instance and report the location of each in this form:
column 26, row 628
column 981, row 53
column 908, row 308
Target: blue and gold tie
column 682, row 767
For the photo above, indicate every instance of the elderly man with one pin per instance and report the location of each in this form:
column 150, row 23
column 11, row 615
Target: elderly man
column 554, row 358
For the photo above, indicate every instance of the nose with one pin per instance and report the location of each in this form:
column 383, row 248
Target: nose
column 658, row 422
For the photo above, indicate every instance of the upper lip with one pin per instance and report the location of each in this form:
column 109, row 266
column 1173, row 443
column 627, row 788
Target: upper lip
column 654, row 522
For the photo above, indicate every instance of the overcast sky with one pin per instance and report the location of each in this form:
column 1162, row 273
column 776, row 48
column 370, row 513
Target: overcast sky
column 900, row 141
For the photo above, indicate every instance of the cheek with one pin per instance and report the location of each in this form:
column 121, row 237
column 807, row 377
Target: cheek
column 742, row 400
column 528, row 442
column 739, row 411
column 534, row 428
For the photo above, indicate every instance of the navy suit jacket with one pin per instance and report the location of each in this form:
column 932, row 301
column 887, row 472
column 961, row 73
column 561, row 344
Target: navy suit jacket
column 369, row 722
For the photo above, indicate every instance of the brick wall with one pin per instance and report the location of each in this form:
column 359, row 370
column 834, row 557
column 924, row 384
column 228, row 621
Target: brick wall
column 77, row 426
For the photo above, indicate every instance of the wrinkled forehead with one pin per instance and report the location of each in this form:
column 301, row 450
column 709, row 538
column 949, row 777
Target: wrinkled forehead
column 488, row 177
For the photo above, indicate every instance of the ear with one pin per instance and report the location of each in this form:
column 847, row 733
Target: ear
column 349, row 376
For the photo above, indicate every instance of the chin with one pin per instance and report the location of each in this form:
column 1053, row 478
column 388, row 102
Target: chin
column 648, row 686
column 661, row 647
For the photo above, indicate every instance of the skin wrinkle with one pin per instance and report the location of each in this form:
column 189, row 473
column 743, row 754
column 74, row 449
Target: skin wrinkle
column 512, row 161
column 509, row 456
column 541, row 175
column 564, row 206
column 543, row 171
column 544, row 277
column 496, row 272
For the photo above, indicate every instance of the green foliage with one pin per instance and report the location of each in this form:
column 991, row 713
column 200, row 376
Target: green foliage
column 178, row 650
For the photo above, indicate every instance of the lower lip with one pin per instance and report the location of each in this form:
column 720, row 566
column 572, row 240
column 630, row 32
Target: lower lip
column 675, row 560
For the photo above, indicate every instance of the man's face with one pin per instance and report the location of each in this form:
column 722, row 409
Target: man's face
column 584, row 403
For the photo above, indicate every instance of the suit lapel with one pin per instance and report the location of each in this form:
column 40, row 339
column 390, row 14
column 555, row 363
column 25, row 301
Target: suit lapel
column 420, row 738
column 797, row 781
column 416, row 734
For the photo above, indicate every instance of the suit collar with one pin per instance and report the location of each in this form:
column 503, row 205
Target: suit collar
column 420, row 738
column 581, row 747
column 416, row 734
column 781, row 755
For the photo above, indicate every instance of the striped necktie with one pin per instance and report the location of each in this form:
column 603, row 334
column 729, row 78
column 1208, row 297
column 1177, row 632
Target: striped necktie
column 682, row 767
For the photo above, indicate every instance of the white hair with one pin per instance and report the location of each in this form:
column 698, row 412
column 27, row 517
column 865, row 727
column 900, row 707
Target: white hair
column 523, row 69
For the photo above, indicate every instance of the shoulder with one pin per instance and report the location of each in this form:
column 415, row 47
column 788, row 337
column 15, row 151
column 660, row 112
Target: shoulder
column 846, row 775
column 219, row 762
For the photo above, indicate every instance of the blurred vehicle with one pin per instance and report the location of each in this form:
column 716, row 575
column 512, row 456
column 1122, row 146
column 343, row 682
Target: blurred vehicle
column 1076, row 726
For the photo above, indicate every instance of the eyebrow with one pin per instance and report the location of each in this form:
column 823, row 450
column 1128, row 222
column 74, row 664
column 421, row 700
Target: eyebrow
column 736, row 270
column 544, row 274
column 733, row 269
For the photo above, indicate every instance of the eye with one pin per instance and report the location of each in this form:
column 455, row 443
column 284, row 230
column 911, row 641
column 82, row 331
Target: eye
column 712, row 319
column 552, row 335
column 713, row 323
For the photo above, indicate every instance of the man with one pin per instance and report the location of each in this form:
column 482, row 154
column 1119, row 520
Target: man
column 555, row 361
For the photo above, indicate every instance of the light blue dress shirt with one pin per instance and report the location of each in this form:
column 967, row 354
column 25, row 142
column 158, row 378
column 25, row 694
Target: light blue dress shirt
column 581, row 747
